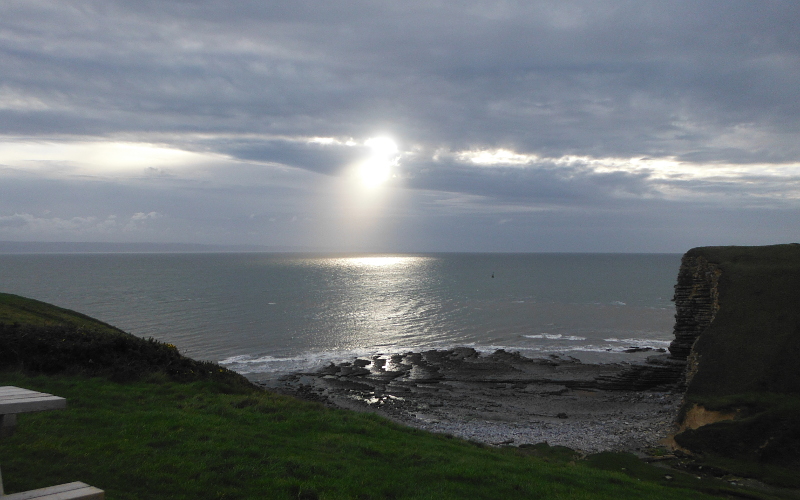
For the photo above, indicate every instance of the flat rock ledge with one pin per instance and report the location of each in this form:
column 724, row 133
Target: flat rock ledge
column 499, row 399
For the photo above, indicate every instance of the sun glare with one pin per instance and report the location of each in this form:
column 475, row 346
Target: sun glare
column 382, row 146
column 377, row 169
column 374, row 172
column 378, row 261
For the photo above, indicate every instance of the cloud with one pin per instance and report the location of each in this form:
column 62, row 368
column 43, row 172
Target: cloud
column 141, row 216
column 30, row 224
column 589, row 76
column 521, row 107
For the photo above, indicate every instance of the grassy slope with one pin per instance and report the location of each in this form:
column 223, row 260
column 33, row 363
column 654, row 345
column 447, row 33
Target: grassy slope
column 16, row 309
column 748, row 364
column 177, row 440
column 38, row 337
column 164, row 435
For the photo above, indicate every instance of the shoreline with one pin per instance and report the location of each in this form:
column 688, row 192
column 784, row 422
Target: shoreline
column 497, row 399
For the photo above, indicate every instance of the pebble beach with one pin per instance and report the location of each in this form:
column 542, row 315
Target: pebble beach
column 500, row 399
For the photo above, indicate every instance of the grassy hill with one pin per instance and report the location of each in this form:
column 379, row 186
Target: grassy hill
column 20, row 310
column 41, row 338
column 145, row 422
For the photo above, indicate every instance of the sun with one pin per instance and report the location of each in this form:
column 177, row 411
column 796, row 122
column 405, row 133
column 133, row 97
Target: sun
column 373, row 172
column 382, row 146
column 377, row 169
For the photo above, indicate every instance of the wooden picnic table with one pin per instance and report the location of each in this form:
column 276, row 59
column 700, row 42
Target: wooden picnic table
column 14, row 400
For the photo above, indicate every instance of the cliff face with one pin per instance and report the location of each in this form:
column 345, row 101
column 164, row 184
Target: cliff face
column 737, row 325
column 696, row 302
column 736, row 354
column 738, row 319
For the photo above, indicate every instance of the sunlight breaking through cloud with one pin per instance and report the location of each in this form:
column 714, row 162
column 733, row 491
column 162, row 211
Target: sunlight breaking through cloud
column 377, row 169
column 657, row 168
column 96, row 157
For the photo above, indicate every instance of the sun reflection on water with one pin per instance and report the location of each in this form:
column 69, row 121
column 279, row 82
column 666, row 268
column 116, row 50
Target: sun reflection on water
column 379, row 299
column 378, row 261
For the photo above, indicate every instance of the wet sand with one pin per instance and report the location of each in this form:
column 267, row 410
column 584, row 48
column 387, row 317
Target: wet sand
column 499, row 399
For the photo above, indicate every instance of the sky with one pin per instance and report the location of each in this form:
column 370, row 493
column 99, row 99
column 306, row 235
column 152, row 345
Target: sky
column 413, row 126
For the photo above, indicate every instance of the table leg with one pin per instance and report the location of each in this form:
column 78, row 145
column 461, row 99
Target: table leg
column 7, row 424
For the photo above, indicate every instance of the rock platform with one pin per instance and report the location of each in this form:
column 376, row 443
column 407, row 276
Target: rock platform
column 501, row 398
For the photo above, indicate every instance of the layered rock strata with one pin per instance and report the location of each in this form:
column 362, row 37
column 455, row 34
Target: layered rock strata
column 696, row 304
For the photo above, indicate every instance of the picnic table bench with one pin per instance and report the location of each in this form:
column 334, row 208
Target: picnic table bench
column 14, row 400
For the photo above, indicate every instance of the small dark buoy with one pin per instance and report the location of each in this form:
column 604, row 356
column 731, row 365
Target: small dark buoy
column 492, row 275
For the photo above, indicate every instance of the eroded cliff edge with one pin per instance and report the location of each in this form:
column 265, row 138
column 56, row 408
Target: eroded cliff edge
column 738, row 329
column 738, row 320
column 696, row 304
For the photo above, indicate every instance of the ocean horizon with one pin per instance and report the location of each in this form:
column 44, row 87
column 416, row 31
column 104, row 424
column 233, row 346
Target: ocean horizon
column 283, row 312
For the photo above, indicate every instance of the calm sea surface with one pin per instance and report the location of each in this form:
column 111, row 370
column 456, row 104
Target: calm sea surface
column 280, row 312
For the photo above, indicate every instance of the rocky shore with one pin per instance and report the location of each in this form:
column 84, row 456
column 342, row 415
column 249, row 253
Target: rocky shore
column 501, row 398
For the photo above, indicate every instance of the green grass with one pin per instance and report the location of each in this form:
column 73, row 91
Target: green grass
column 163, row 439
column 144, row 422
column 39, row 338
column 21, row 310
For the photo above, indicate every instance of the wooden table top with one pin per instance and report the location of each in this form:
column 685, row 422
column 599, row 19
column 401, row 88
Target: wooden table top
column 18, row 400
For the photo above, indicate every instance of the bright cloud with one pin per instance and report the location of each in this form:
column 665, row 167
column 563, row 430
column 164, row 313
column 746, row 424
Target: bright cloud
column 96, row 157
column 496, row 157
column 657, row 168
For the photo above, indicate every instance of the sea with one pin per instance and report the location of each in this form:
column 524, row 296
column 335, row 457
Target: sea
column 267, row 313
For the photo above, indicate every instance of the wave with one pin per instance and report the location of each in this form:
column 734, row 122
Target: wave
column 556, row 336
column 305, row 362
column 640, row 342
column 311, row 361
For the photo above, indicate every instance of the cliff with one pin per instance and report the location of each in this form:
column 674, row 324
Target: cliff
column 738, row 329
column 696, row 304
column 738, row 320
column 748, row 344
column 696, row 301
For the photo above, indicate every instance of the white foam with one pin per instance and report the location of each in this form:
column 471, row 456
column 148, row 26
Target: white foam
column 305, row 362
column 556, row 336
column 641, row 342
column 311, row 361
